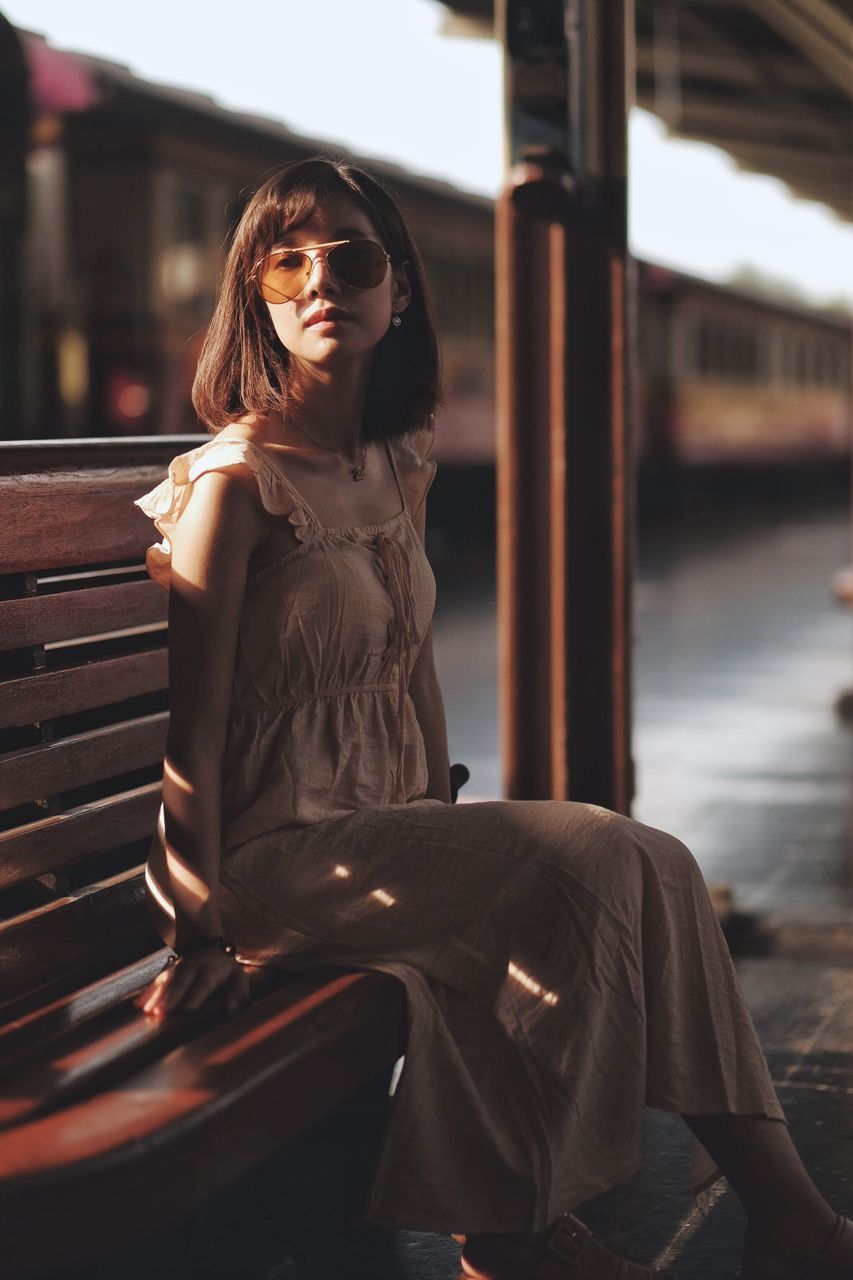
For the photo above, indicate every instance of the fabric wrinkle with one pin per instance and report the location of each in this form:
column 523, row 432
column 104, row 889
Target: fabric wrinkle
column 393, row 562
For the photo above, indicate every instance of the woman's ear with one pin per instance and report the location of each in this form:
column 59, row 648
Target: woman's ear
column 402, row 290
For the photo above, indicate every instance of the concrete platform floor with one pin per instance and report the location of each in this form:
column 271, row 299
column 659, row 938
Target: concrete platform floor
column 740, row 657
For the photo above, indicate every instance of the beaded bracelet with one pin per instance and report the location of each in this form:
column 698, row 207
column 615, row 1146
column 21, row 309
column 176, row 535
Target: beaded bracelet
column 199, row 942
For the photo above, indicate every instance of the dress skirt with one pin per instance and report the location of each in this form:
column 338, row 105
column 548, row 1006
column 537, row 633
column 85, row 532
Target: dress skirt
column 563, row 968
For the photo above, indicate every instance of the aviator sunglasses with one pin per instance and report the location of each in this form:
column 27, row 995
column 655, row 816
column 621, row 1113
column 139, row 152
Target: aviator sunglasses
column 283, row 274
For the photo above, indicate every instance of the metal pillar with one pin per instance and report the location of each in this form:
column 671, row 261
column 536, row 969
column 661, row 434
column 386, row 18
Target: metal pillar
column 564, row 466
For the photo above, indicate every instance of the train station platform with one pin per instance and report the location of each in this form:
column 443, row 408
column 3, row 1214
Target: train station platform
column 741, row 655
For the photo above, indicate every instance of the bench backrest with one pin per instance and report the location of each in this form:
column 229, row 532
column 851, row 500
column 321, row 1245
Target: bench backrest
column 83, row 709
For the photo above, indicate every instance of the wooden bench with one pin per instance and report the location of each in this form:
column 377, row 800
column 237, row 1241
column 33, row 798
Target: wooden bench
column 97, row 1103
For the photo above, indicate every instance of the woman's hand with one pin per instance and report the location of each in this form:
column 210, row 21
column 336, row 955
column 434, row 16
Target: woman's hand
column 187, row 984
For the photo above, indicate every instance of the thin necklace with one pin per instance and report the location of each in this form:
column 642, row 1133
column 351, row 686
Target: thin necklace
column 356, row 471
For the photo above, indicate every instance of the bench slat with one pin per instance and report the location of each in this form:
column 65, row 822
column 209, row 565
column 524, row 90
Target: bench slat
column 70, row 615
column 35, row 1031
column 74, row 518
column 49, row 952
column 48, row 694
column 88, row 453
column 159, row 1144
column 106, row 1047
column 121, row 1040
column 60, row 841
column 76, row 761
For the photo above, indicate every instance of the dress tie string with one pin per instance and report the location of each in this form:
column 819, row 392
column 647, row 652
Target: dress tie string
column 392, row 559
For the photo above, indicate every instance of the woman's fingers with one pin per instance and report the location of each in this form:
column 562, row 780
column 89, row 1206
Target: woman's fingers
column 238, row 991
column 168, row 989
column 191, row 996
column 186, row 985
column 208, row 981
column 150, row 997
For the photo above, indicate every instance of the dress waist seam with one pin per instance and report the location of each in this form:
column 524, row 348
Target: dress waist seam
column 315, row 696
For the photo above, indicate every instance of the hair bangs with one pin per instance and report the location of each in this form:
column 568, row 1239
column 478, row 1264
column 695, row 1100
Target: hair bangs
column 290, row 204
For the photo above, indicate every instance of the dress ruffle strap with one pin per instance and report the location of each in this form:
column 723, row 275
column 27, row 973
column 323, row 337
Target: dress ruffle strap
column 165, row 503
column 415, row 468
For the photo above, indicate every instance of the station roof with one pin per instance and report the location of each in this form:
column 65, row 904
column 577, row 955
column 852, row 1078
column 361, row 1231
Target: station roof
column 769, row 81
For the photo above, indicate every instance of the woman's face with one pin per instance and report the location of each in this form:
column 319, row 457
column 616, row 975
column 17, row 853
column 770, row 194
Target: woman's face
column 366, row 312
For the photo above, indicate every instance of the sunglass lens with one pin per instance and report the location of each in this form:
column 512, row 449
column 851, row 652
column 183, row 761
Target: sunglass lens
column 283, row 275
column 359, row 263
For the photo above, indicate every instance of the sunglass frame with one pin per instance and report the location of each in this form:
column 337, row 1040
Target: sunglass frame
column 306, row 250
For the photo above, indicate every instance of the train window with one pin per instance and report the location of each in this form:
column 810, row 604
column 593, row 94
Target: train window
column 710, row 347
column 685, row 349
column 702, row 348
column 748, row 354
column 801, row 361
column 469, row 379
column 835, row 367
column 463, row 296
column 731, row 352
column 189, row 216
column 841, row 367
column 762, row 356
column 183, row 266
column 728, row 351
column 829, row 365
column 789, row 357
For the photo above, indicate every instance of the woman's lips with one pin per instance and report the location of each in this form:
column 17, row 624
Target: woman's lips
column 326, row 319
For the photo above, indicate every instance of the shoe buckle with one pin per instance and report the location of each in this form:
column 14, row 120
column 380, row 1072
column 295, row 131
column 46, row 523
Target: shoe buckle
column 568, row 1242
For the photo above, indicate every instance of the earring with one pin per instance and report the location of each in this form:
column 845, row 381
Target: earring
column 396, row 318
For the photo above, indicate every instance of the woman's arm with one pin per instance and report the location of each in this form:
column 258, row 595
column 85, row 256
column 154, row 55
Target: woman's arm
column 211, row 544
column 425, row 693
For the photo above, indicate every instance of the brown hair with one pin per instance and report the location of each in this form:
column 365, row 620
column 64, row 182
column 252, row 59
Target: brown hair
column 244, row 368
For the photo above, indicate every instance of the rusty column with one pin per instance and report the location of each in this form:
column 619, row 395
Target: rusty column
column 564, row 462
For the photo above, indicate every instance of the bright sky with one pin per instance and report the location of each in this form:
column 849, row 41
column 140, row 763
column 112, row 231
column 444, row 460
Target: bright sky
column 379, row 78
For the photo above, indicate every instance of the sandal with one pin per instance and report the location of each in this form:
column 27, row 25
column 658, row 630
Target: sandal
column 569, row 1252
column 832, row 1262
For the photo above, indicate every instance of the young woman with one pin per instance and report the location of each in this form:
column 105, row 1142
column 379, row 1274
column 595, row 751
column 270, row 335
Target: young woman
column 563, row 965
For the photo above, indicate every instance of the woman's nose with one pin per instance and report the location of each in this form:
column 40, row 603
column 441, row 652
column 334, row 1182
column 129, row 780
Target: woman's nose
column 321, row 279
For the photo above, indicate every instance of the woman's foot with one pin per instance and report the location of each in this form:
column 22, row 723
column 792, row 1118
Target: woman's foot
column 564, row 1250
column 804, row 1251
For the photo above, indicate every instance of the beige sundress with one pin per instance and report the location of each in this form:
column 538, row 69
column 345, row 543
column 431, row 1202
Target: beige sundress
column 563, row 965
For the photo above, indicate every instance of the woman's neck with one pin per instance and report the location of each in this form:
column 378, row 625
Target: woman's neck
column 329, row 405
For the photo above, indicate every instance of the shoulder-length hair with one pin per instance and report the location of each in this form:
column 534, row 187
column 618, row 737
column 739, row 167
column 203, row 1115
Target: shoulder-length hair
column 244, row 368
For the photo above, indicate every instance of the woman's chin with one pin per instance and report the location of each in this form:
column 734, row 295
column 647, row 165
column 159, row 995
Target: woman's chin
column 329, row 351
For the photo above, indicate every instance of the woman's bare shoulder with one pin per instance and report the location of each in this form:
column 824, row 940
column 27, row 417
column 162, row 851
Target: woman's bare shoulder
column 256, row 428
column 229, row 493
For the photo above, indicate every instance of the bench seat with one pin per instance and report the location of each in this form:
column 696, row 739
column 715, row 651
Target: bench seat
column 153, row 1119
